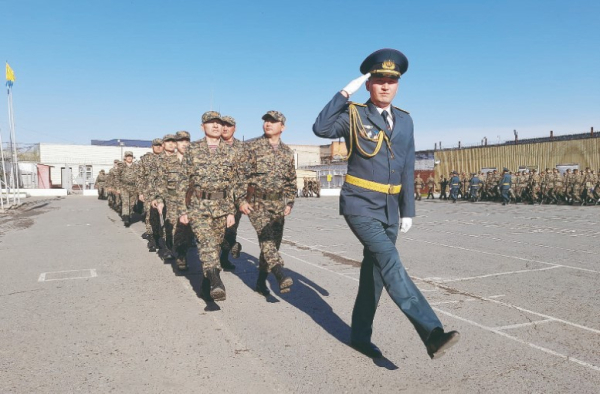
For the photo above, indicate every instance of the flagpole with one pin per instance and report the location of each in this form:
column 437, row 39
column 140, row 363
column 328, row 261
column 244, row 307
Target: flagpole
column 13, row 142
column 3, row 177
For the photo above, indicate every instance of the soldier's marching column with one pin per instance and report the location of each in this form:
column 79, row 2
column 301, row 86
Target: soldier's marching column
column 197, row 192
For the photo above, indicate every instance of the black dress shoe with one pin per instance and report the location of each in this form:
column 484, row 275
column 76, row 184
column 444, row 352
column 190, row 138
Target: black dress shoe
column 367, row 348
column 440, row 341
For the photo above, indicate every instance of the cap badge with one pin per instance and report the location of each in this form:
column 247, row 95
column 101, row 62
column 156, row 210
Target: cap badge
column 388, row 65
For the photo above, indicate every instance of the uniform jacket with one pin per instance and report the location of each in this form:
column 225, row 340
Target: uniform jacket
column 126, row 177
column 395, row 167
column 211, row 172
column 506, row 181
column 454, row 182
column 269, row 170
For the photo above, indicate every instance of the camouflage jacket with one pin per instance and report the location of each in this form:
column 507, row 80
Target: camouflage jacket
column 146, row 173
column 126, row 176
column 268, row 170
column 101, row 179
column 168, row 179
column 210, row 172
column 110, row 179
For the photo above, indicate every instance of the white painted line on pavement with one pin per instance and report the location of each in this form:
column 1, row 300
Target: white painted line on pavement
column 502, row 255
column 65, row 275
column 498, row 274
column 489, row 299
column 489, row 237
column 531, row 323
column 543, row 349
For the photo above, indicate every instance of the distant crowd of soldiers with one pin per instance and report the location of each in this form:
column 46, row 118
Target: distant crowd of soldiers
column 196, row 192
column 312, row 187
column 547, row 187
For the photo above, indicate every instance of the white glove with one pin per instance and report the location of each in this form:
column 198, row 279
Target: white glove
column 405, row 224
column 355, row 84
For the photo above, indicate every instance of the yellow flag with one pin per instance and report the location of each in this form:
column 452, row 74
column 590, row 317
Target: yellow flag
column 10, row 74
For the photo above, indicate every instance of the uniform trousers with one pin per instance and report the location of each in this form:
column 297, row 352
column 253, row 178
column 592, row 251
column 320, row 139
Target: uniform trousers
column 268, row 221
column 209, row 234
column 231, row 233
column 381, row 266
column 178, row 236
column 454, row 193
column 505, row 197
column 129, row 198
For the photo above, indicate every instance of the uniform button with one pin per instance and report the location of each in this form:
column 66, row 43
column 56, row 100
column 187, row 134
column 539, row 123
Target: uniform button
column 393, row 171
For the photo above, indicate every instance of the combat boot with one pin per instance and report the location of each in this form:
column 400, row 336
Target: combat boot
column 225, row 263
column 217, row 288
column 205, row 290
column 126, row 221
column 261, row 284
column 182, row 263
column 146, row 235
column 285, row 282
column 235, row 250
column 151, row 245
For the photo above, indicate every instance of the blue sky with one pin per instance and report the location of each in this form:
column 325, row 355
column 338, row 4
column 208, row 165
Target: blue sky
column 141, row 69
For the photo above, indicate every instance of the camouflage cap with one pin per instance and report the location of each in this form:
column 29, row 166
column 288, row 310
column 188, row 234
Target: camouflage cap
column 169, row 137
column 278, row 116
column 182, row 135
column 229, row 120
column 157, row 141
column 128, row 153
column 210, row 115
column 115, row 161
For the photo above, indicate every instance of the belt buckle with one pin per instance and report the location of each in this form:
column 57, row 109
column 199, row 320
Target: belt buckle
column 390, row 189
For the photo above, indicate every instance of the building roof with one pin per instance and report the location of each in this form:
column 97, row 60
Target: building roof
column 118, row 142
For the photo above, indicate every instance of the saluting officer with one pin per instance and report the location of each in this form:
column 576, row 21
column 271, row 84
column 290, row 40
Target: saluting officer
column 378, row 195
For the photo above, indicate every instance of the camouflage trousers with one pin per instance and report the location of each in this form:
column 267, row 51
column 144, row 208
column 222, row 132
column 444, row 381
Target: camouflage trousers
column 114, row 201
column 178, row 236
column 209, row 234
column 129, row 198
column 101, row 191
column 231, row 234
column 268, row 221
column 152, row 219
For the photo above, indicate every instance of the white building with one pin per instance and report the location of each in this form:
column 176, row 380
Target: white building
column 80, row 158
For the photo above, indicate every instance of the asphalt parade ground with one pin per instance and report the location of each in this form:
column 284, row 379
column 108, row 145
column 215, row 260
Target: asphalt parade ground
column 85, row 308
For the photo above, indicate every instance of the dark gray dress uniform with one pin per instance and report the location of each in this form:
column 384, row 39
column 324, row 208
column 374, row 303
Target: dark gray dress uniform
column 373, row 216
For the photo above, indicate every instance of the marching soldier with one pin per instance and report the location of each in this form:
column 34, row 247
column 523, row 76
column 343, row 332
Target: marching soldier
column 474, row 185
column 146, row 174
column 230, row 243
column 170, row 174
column 454, row 186
column 431, row 187
column 126, row 178
column 418, row 187
column 113, row 198
column 577, row 188
column 505, row 183
column 377, row 198
column 266, row 192
column 208, row 205
column 101, row 184
column 443, row 187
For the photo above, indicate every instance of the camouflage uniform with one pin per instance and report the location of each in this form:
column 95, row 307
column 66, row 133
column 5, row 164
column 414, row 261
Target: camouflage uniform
column 430, row 186
column 272, row 174
column 230, row 243
column 170, row 188
column 577, row 185
column 211, row 174
column 559, row 188
column 125, row 178
column 101, row 184
column 419, row 183
column 146, row 181
column 114, row 200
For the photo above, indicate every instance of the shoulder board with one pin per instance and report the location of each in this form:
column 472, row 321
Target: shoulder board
column 358, row 104
column 403, row 110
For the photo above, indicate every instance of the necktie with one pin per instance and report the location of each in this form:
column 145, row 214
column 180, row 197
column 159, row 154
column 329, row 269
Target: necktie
column 384, row 114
